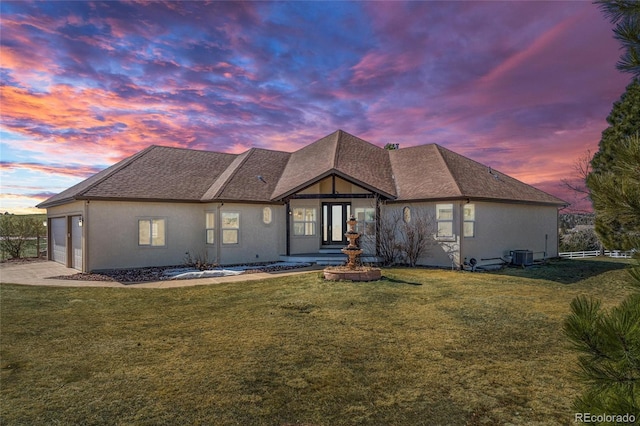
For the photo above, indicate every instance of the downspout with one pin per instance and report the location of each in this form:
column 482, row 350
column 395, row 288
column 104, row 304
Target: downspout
column 460, row 233
column 218, row 232
column 85, row 237
column 49, row 239
column 378, row 218
column 546, row 241
column 288, row 227
column 69, row 241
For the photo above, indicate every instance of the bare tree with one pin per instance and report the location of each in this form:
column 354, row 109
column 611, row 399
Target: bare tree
column 578, row 183
column 405, row 239
column 417, row 236
column 388, row 242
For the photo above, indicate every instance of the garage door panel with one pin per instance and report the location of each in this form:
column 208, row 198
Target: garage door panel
column 59, row 240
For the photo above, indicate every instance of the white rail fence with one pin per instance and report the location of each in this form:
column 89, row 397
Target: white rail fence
column 593, row 253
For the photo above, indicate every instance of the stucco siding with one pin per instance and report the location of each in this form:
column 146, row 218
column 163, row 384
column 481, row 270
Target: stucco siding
column 113, row 230
column 258, row 241
column 442, row 252
column 67, row 240
column 498, row 229
column 306, row 243
column 502, row 227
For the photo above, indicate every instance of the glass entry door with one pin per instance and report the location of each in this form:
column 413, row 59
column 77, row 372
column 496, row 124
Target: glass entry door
column 334, row 223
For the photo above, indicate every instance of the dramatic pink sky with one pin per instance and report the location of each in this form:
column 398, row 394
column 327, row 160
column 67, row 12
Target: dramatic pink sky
column 523, row 87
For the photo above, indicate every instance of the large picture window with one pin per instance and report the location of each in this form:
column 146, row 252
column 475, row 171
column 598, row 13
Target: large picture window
column 304, row 221
column 230, row 227
column 444, row 218
column 151, row 232
column 210, row 226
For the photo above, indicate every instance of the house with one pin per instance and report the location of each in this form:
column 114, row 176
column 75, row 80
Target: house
column 264, row 205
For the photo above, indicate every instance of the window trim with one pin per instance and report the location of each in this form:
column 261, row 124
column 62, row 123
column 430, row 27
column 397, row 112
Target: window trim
column 365, row 224
column 444, row 206
column 471, row 221
column 150, row 221
column 209, row 230
column 223, row 228
column 306, row 223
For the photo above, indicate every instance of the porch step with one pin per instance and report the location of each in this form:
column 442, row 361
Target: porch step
column 330, row 250
column 324, row 259
column 331, row 262
column 318, row 259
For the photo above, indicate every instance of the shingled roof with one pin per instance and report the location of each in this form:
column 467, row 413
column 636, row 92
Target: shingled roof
column 341, row 154
column 424, row 172
column 431, row 171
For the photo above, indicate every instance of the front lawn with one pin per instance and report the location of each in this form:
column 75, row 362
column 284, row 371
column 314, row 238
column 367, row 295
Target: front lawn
column 421, row 347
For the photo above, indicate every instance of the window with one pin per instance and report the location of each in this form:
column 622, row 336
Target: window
column 469, row 220
column 230, row 227
column 444, row 217
column 406, row 214
column 304, row 221
column 266, row 215
column 151, row 232
column 210, row 226
column 366, row 218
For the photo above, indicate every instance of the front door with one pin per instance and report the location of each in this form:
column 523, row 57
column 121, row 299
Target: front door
column 334, row 223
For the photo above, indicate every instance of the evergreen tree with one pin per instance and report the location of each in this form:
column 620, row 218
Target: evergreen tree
column 616, row 197
column 609, row 347
column 624, row 121
column 609, row 341
column 626, row 15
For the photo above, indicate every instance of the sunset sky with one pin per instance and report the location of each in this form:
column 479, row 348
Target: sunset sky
column 523, row 87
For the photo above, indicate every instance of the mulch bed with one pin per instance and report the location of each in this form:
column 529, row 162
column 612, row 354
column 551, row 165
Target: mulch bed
column 140, row 275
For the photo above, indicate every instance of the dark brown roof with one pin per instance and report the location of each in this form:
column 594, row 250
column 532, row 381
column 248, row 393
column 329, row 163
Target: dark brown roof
column 476, row 180
column 420, row 173
column 70, row 194
column 365, row 163
column 258, row 175
column 338, row 153
column 433, row 172
column 307, row 165
column 254, row 178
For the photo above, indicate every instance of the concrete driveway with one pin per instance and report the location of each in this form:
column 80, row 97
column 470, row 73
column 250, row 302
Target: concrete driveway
column 40, row 273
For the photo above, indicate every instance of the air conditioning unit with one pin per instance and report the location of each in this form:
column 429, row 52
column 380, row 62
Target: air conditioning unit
column 522, row 257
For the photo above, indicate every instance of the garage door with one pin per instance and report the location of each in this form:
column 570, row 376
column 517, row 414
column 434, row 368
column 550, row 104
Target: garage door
column 76, row 243
column 59, row 240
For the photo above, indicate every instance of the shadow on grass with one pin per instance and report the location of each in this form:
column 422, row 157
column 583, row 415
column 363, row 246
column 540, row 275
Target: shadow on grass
column 397, row 281
column 567, row 271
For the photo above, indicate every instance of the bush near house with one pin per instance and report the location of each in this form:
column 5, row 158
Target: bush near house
column 21, row 234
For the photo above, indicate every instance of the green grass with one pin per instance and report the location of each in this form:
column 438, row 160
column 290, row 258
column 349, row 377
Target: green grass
column 421, row 347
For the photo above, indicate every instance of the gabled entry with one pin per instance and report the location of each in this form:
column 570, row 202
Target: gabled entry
column 334, row 218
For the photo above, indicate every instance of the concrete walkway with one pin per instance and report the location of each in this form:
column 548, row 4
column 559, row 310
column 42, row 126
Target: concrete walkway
column 39, row 273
